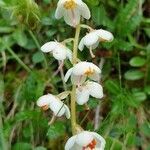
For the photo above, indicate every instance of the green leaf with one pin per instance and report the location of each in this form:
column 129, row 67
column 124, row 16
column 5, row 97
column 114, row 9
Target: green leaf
column 145, row 128
column 46, row 21
column 55, row 130
column 6, row 29
column 128, row 19
column 100, row 16
column 113, row 144
column 112, row 86
column 22, row 146
column 140, row 96
column 137, row 61
column 133, row 75
column 40, row 148
column 47, row 1
column 1, row 91
column 92, row 103
column 92, row 2
column 30, row 44
column 20, row 37
column 147, row 90
column 51, row 33
column 130, row 139
column 38, row 57
column 147, row 30
column 6, row 40
column 122, row 45
column 33, row 87
column 26, row 115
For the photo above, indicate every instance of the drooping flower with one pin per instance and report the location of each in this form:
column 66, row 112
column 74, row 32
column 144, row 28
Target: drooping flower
column 72, row 10
column 92, row 39
column 90, row 88
column 86, row 141
column 55, row 104
column 59, row 51
column 81, row 71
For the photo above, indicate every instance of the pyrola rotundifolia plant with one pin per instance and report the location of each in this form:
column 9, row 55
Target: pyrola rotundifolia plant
column 84, row 75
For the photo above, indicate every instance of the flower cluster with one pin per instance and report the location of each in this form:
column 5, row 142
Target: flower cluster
column 85, row 76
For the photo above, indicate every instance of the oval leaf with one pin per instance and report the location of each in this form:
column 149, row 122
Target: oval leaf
column 140, row 96
column 137, row 61
column 133, row 75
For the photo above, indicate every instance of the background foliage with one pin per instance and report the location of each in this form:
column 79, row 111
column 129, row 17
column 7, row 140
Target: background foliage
column 26, row 25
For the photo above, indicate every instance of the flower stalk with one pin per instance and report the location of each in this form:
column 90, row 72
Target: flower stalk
column 75, row 46
column 73, row 93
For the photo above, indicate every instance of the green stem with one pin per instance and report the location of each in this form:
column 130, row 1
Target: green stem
column 76, row 41
column 73, row 93
column 119, row 70
column 147, row 68
column 3, row 142
column 38, row 46
column 73, row 109
column 18, row 60
column 34, row 39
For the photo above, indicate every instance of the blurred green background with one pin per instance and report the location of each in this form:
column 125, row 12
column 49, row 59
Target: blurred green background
column 27, row 73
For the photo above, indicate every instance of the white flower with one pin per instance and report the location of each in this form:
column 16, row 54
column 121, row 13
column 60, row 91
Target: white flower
column 92, row 39
column 72, row 10
column 55, row 104
column 59, row 51
column 81, row 71
column 89, row 88
column 86, row 141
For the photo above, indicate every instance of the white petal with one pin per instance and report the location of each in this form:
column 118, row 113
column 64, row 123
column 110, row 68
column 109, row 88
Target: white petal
column 81, row 67
column 96, row 77
column 70, row 143
column 59, row 53
column 96, row 68
column 59, row 11
column 82, row 96
column 81, row 44
column 94, row 45
column 49, row 46
column 95, row 89
column 91, row 39
column 100, row 139
column 45, row 100
column 57, row 107
column 67, row 112
column 84, row 138
column 85, row 12
column 68, row 74
column 72, row 17
column 79, row 2
column 105, row 35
